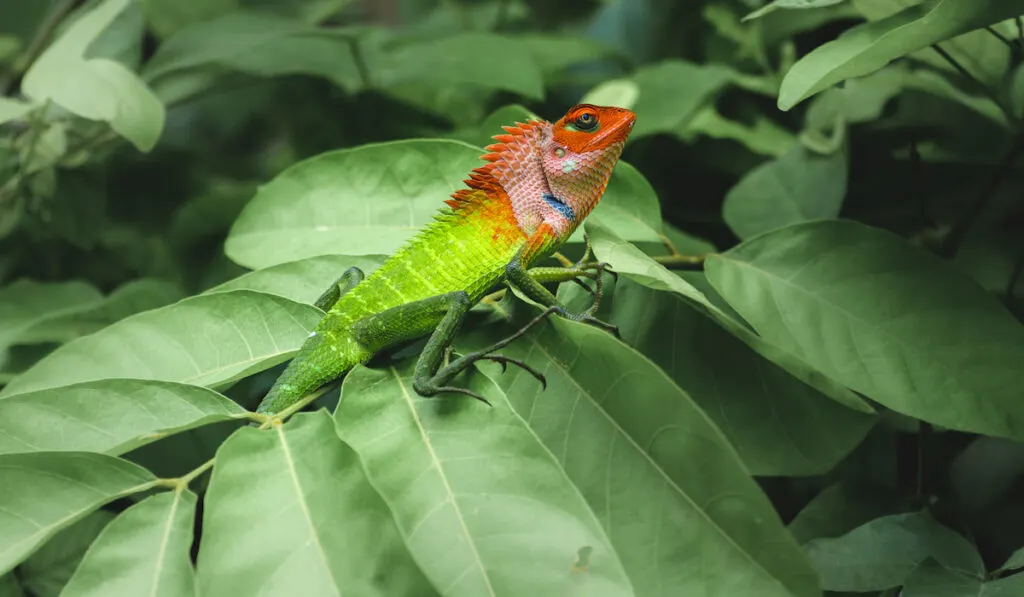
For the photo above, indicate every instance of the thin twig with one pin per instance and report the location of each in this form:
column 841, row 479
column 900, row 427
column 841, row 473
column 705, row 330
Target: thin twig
column 999, row 36
column 951, row 243
column 983, row 87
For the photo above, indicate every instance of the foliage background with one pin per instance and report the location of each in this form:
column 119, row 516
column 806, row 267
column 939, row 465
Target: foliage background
column 823, row 393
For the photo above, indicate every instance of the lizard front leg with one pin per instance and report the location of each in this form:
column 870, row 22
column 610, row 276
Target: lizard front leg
column 347, row 281
column 530, row 282
column 440, row 316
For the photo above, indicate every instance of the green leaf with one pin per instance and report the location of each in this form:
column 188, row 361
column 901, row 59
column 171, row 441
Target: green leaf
column 167, row 17
column 626, row 435
column 629, row 206
column 1014, row 562
column 302, row 281
column 883, row 318
column 259, row 44
column 132, row 297
column 208, row 340
column 79, row 417
column 764, row 137
column 882, row 553
column 621, row 93
column 366, row 200
column 323, row 529
column 628, row 260
column 797, row 187
column 468, row 485
column 778, row 424
column 839, row 509
column 930, row 579
column 45, row 492
column 673, row 92
column 97, row 88
column 870, row 46
column 799, row 4
column 484, row 60
column 936, row 84
column 144, row 551
column 859, row 100
column 47, row 571
column 26, row 304
column 555, row 53
column 370, row 199
column 12, row 109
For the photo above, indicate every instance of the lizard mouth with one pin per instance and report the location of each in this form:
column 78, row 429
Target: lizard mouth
column 617, row 132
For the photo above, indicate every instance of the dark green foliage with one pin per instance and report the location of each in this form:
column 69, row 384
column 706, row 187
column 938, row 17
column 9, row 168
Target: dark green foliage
column 818, row 231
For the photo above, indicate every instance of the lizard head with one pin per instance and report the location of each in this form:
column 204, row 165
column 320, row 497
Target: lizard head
column 578, row 157
column 554, row 173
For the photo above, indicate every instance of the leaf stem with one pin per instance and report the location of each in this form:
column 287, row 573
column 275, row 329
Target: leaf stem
column 686, row 262
column 952, row 242
column 291, row 410
column 985, row 88
column 360, row 60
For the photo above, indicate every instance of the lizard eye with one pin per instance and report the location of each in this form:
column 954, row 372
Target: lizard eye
column 586, row 121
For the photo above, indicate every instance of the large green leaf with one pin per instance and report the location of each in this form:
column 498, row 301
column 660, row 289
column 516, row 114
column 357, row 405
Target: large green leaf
column 47, row 571
column 931, row 579
column 302, row 281
column 679, row 506
column 799, row 186
column 259, row 44
column 481, row 59
column 778, row 424
column 472, row 488
column 167, row 17
column 144, row 551
column 322, row 529
column 870, row 46
column 882, row 553
column 96, row 88
column 883, row 318
column 370, row 199
column 672, row 92
column 634, row 264
column 47, row 491
column 113, row 416
column 10, row 109
column 25, row 304
column 130, row 298
column 839, row 509
column 207, row 340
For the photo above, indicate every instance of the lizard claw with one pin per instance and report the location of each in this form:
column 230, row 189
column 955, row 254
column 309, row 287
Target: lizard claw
column 504, row 360
column 457, row 390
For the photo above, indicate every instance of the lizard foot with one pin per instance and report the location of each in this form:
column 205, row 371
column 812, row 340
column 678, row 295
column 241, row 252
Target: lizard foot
column 504, row 360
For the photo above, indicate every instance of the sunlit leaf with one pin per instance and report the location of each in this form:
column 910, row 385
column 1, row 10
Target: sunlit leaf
column 302, row 281
column 96, row 88
column 144, row 551
column 672, row 92
column 778, row 424
column 323, row 529
column 207, row 340
column 870, row 46
column 473, row 487
column 45, row 492
column 628, row 260
column 626, row 434
column 791, row 4
column 110, row 415
column 883, row 318
column 11, row 109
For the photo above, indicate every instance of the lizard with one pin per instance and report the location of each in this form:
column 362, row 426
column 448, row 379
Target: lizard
column 540, row 182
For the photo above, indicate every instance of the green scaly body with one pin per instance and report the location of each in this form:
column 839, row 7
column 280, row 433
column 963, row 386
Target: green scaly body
column 462, row 250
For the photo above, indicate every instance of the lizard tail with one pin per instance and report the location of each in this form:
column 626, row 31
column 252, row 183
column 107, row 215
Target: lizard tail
column 320, row 361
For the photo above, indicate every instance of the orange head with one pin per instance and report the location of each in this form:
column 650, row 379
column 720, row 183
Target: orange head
column 587, row 127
